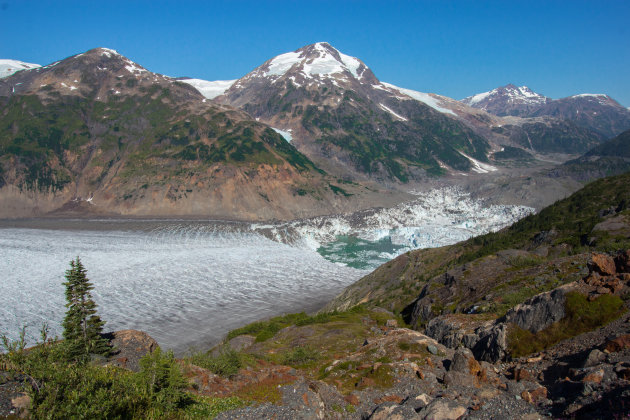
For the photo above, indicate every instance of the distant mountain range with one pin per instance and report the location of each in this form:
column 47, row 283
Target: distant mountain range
column 307, row 132
column 597, row 112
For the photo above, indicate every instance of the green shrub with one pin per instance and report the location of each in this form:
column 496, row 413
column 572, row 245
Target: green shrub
column 299, row 356
column 581, row 316
column 226, row 363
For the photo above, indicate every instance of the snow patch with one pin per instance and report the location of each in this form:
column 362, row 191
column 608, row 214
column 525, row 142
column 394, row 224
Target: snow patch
column 479, row 167
column 422, row 97
column 132, row 67
column 285, row 134
column 392, row 112
column 108, row 52
column 209, row 89
column 9, row 67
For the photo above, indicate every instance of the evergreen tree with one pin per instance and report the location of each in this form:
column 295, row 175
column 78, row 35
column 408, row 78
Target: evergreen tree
column 82, row 328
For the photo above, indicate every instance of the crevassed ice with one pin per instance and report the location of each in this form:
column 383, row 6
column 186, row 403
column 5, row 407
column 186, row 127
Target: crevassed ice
column 185, row 285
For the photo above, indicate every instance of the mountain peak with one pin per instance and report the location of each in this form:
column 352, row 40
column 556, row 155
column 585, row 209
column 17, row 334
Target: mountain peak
column 507, row 100
column 315, row 60
column 107, row 52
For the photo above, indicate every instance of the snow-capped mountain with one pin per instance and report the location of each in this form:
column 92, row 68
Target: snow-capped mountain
column 112, row 136
column 340, row 115
column 507, row 100
column 597, row 112
column 9, row 67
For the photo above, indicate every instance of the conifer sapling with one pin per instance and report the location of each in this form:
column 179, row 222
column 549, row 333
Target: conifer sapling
column 82, row 327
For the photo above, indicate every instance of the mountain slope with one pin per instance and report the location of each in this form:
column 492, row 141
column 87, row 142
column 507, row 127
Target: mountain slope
column 98, row 127
column 607, row 159
column 600, row 113
column 508, row 100
column 344, row 119
column 567, row 227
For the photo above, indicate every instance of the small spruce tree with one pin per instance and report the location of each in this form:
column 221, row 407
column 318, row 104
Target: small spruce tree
column 82, row 328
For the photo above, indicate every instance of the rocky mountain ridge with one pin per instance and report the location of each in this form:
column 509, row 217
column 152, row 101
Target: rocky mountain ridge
column 348, row 122
column 508, row 100
column 367, row 135
column 100, row 130
column 596, row 112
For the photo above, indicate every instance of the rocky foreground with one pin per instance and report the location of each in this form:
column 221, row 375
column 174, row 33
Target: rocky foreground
column 364, row 366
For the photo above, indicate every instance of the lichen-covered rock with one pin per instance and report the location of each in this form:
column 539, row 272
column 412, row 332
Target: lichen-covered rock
column 129, row 347
column 539, row 312
column 602, row 264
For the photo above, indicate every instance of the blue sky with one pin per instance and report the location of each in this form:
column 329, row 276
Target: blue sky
column 453, row 48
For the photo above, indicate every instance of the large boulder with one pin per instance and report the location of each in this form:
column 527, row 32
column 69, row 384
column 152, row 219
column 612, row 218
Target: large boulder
column 541, row 311
column 129, row 347
column 602, row 264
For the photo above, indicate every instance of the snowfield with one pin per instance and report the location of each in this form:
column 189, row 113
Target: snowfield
column 8, row 67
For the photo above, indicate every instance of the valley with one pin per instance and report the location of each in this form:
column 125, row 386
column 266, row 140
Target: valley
column 313, row 242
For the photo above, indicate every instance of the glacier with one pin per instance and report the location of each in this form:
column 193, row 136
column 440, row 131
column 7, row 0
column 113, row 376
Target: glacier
column 187, row 283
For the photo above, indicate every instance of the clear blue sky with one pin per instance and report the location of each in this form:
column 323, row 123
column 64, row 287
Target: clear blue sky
column 454, row 48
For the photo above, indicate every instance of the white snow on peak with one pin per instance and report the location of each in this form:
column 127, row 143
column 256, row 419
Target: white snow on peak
column 479, row 167
column 108, row 52
column 132, row 67
column 8, row 67
column 521, row 94
column 320, row 62
column 471, row 100
column 286, row 134
column 281, row 64
column 209, row 89
column 422, row 97
column 582, row 95
column 392, row 112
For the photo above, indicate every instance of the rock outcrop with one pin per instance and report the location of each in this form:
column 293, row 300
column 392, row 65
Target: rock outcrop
column 488, row 339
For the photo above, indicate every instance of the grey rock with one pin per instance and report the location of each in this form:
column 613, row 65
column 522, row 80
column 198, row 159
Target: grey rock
column 393, row 411
column 492, row 344
column 442, row 409
column 452, row 378
column 461, row 361
column 540, row 311
column 515, row 388
column 432, row 349
column 241, row 342
column 418, row 402
column 595, row 357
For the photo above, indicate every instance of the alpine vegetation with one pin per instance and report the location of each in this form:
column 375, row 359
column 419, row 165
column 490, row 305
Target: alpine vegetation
column 82, row 327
